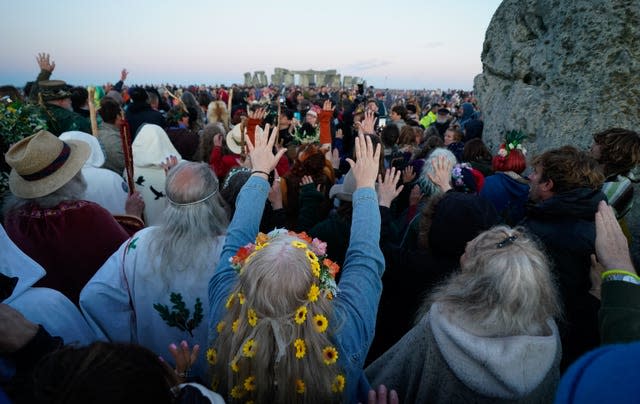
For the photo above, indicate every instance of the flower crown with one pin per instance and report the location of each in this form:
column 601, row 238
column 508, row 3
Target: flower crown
column 306, row 137
column 321, row 267
column 512, row 141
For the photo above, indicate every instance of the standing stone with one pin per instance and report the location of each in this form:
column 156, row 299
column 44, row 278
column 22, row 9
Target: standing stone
column 560, row 70
column 289, row 79
column 247, row 79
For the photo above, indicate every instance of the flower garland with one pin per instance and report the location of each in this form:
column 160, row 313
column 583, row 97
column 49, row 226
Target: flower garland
column 316, row 251
column 456, row 173
column 306, row 137
column 512, row 141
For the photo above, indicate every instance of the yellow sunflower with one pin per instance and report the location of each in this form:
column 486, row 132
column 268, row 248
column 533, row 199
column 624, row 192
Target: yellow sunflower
column 320, row 323
column 311, row 256
column 241, row 298
column 220, row 326
column 237, row 392
column 338, row 384
column 261, row 246
column 315, row 268
column 234, row 366
column 300, row 386
column 301, row 315
column 249, row 349
column 329, row 355
column 314, row 292
column 252, row 317
column 250, row 383
column 301, row 348
column 229, row 302
column 298, row 244
column 212, row 356
column 234, row 325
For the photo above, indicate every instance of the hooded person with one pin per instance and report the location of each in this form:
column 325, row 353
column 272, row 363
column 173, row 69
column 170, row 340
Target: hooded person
column 46, row 217
column 487, row 334
column 150, row 150
column 104, row 187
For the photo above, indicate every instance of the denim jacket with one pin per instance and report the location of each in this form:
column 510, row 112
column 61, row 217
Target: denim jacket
column 356, row 305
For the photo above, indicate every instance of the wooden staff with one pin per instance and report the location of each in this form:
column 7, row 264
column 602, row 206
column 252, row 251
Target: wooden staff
column 229, row 100
column 278, row 122
column 92, row 111
column 128, row 155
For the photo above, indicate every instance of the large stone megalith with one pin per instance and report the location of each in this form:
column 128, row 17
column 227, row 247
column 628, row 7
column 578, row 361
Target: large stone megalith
column 560, row 70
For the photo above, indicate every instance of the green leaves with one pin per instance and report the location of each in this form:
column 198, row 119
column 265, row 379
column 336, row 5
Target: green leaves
column 179, row 315
column 18, row 120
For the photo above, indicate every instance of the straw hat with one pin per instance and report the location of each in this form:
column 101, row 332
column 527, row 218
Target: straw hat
column 42, row 163
column 234, row 138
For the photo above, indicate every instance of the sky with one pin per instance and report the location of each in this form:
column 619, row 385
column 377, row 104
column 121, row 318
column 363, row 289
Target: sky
column 412, row 44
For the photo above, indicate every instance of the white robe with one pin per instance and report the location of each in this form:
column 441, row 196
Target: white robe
column 130, row 273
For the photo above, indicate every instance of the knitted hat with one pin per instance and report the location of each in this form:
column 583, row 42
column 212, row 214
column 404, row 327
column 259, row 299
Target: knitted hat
column 42, row 163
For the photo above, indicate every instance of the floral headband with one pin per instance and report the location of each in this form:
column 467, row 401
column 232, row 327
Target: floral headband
column 321, row 267
column 512, row 141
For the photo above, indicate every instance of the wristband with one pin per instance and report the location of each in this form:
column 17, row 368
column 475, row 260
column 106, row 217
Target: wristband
column 621, row 275
column 260, row 172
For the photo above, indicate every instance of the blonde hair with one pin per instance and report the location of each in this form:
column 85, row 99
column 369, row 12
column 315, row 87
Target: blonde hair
column 217, row 112
column 273, row 287
column 504, row 287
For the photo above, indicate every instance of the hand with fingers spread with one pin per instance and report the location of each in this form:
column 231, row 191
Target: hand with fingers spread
column 327, row 106
column 368, row 123
column 263, row 161
column 415, row 196
column 123, row 74
column 408, row 174
column 339, row 134
column 184, row 358
column 45, row 63
column 388, row 188
column 305, row 180
column 334, row 158
column 365, row 168
column 169, row 163
column 275, row 193
column 442, row 173
column 612, row 248
column 258, row 114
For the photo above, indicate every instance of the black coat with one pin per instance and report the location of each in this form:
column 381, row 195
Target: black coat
column 140, row 113
column 565, row 226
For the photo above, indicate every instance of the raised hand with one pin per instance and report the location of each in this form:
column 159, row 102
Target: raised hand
column 442, row 173
column 408, row 174
column 134, row 205
column 169, row 163
column 123, row 74
column 259, row 113
column 365, row 168
column 387, row 190
column 368, row 123
column 184, row 358
column 261, row 154
column 612, row 247
column 327, row 106
column 45, row 63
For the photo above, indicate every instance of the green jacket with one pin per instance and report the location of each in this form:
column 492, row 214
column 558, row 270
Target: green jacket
column 61, row 120
column 619, row 315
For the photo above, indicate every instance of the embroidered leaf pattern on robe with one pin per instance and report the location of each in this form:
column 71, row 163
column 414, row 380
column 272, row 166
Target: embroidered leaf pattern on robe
column 179, row 316
column 132, row 245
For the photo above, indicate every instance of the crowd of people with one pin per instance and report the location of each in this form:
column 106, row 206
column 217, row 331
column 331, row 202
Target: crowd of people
column 211, row 244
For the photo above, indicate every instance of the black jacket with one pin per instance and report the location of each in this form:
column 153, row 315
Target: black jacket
column 141, row 113
column 565, row 226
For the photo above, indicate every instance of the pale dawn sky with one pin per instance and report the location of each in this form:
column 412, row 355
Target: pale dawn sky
column 391, row 44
